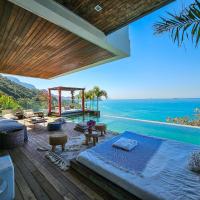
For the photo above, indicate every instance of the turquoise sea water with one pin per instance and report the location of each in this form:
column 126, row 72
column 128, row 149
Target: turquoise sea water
column 150, row 109
column 139, row 116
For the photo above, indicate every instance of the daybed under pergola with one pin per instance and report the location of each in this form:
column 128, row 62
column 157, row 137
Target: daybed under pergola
column 60, row 89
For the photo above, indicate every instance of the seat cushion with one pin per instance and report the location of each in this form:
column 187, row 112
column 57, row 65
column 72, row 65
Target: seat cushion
column 8, row 125
column 57, row 139
column 54, row 126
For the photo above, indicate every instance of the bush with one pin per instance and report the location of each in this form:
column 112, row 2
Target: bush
column 7, row 102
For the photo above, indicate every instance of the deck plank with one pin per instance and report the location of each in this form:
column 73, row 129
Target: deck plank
column 37, row 178
column 74, row 191
column 62, row 177
column 47, row 175
column 51, row 192
column 33, row 184
column 47, row 187
column 18, row 194
column 23, row 186
column 78, row 181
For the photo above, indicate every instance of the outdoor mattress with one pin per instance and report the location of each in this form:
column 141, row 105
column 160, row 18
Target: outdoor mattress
column 154, row 169
column 9, row 125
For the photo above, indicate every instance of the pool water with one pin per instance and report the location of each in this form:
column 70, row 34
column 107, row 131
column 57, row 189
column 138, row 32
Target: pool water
column 146, row 127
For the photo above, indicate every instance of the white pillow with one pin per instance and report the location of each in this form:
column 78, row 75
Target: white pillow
column 194, row 161
column 125, row 144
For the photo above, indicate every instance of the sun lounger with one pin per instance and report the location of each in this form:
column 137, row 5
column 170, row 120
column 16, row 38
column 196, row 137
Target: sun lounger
column 28, row 113
column 9, row 114
column 155, row 169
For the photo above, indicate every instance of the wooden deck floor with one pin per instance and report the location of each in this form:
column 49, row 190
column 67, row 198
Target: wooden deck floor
column 37, row 178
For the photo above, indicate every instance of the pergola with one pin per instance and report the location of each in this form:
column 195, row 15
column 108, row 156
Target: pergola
column 60, row 89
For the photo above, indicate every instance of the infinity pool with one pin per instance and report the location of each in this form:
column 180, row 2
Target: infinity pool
column 158, row 129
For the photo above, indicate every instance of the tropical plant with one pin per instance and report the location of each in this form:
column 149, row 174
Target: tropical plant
column 7, row 102
column 91, row 95
column 183, row 25
column 98, row 94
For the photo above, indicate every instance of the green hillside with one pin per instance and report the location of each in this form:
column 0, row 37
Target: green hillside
column 15, row 90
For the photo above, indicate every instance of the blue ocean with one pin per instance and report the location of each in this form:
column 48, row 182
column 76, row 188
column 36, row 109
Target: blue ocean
column 148, row 117
column 150, row 109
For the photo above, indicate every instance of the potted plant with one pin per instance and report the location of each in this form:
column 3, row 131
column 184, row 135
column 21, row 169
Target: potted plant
column 90, row 124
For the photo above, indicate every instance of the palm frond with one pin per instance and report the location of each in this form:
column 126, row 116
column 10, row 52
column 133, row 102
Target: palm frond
column 186, row 24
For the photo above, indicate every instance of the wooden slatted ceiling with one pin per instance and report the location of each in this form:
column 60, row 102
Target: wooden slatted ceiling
column 115, row 13
column 32, row 46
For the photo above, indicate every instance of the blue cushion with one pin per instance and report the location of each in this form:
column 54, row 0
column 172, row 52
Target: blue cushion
column 54, row 126
column 7, row 125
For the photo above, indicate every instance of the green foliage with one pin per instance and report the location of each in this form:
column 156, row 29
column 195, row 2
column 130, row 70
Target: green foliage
column 7, row 102
column 36, row 103
column 98, row 94
column 183, row 25
column 16, row 95
column 186, row 120
column 91, row 95
column 25, row 103
column 15, row 90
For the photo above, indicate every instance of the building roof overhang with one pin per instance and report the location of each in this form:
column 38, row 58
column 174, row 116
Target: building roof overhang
column 47, row 39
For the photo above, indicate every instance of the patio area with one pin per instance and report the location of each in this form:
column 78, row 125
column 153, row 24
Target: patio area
column 38, row 178
column 46, row 40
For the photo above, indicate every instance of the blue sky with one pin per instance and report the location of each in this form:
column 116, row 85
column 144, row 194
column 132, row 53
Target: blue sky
column 157, row 68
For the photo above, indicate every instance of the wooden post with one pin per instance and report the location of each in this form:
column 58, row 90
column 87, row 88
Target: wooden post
column 59, row 102
column 49, row 101
column 83, row 101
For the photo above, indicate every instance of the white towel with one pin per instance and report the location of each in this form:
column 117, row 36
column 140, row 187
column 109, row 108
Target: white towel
column 125, row 144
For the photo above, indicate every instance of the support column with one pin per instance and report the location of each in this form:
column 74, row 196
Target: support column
column 49, row 101
column 83, row 101
column 59, row 102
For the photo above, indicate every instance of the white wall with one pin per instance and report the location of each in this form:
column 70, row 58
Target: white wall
column 120, row 39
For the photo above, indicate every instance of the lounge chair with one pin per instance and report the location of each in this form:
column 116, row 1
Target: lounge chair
column 28, row 113
column 9, row 114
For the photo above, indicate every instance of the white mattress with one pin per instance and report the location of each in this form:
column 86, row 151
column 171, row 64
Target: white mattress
column 166, row 175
